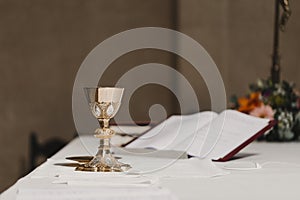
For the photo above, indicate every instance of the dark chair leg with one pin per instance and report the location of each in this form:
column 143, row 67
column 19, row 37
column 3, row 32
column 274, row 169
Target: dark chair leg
column 33, row 149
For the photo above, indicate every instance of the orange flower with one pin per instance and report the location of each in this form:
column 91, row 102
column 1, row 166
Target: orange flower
column 246, row 105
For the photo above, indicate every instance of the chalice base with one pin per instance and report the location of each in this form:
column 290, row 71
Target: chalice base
column 98, row 165
column 104, row 161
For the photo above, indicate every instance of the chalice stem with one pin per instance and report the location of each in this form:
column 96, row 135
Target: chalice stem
column 104, row 123
column 104, row 148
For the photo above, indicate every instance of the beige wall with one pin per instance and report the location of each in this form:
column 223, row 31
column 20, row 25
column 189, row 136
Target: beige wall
column 42, row 44
column 238, row 34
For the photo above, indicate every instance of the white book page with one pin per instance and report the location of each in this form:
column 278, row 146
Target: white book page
column 204, row 134
column 236, row 129
column 175, row 133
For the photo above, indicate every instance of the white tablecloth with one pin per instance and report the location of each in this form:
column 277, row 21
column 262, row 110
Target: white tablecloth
column 277, row 175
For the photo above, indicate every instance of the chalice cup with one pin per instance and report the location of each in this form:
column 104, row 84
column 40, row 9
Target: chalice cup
column 104, row 103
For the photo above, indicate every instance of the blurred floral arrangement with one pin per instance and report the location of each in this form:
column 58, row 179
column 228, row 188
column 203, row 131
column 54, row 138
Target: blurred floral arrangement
column 273, row 98
column 279, row 101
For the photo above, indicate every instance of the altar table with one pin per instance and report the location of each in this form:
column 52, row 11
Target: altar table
column 277, row 177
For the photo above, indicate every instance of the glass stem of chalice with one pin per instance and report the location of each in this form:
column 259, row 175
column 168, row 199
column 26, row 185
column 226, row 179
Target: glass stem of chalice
column 104, row 103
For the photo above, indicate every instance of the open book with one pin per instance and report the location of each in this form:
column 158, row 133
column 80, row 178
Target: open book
column 205, row 134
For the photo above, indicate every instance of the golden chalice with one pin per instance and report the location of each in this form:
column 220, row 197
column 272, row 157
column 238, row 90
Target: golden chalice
column 104, row 103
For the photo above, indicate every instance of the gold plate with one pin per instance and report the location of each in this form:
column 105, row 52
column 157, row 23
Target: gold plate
column 68, row 164
column 80, row 159
column 84, row 159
